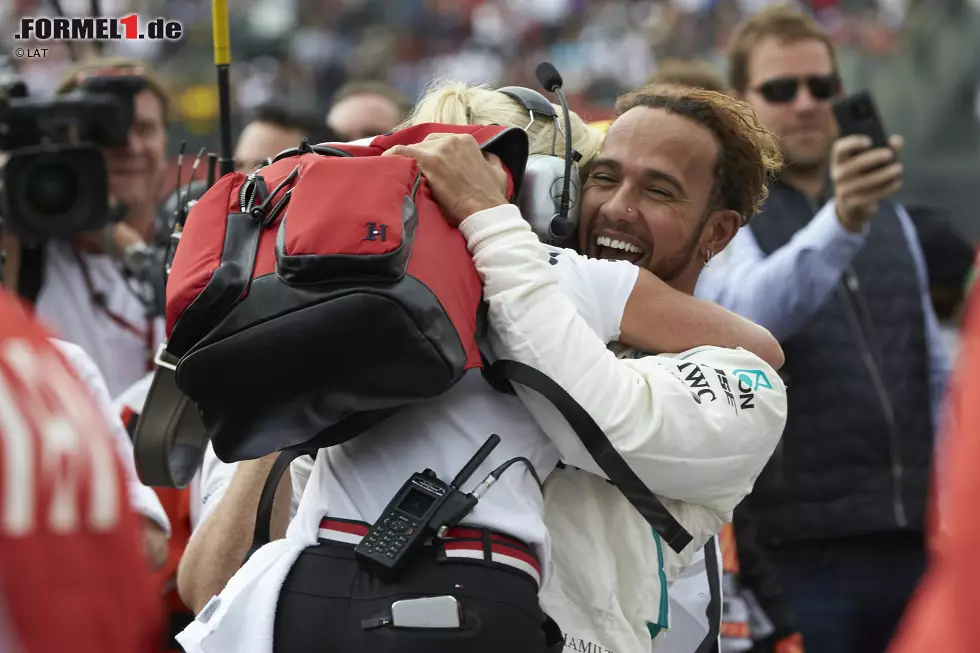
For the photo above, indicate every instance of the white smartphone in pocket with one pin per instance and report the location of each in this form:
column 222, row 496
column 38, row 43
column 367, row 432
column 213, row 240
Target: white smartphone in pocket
column 427, row 612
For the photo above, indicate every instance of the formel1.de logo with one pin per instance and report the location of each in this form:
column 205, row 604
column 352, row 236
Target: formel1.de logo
column 101, row 28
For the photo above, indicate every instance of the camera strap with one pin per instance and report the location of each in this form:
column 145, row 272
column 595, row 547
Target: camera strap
column 99, row 301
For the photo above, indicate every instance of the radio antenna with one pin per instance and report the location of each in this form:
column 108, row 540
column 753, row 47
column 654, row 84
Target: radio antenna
column 187, row 193
column 180, row 169
column 222, row 61
column 476, row 460
column 212, row 166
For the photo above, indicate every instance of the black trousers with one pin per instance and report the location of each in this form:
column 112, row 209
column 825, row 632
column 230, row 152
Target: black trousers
column 849, row 594
column 326, row 596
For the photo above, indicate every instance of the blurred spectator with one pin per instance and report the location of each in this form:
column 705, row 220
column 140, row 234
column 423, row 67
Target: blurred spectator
column 836, row 273
column 949, row 260
column 72, row 576
column 699, row 74
column 274, row 128
column 305, row 50
column 365, row 109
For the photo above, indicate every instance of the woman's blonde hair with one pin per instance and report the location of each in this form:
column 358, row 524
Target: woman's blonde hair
column 456, row 103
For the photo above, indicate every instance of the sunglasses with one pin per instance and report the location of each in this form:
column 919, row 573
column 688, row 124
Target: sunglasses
column 784, row 89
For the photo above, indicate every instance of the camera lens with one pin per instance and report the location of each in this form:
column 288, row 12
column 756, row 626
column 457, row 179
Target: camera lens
column 56, row 191
column 52, row 189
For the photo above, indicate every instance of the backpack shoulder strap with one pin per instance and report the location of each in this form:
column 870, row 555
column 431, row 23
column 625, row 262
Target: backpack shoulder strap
column 599, row 447
column 710, row 642
column 263, row 513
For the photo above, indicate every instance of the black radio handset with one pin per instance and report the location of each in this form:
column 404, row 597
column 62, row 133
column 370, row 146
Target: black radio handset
column 550, row 79
column 424, row 507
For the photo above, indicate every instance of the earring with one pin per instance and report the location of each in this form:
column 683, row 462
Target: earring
column 708, row 254
column 629, row 210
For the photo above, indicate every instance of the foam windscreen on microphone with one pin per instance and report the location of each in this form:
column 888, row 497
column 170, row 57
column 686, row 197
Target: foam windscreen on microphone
column 548, row 76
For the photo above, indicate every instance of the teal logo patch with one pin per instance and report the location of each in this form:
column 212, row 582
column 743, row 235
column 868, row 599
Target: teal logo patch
column 754, row 379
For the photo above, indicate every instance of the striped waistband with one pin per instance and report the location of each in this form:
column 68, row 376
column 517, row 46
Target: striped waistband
column 478, row 544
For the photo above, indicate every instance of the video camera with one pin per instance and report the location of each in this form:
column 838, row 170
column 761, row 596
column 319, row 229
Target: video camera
column 55, row 182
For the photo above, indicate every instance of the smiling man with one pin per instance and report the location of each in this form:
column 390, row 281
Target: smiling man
column 680, row 172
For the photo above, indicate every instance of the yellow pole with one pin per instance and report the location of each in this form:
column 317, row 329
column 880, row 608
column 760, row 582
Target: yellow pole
column 222, row 61
column 222, row 45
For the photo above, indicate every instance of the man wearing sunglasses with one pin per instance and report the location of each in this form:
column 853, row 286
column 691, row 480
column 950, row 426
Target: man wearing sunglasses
column 833, row 268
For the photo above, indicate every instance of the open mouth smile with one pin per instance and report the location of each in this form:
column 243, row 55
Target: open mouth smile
column 618, row 249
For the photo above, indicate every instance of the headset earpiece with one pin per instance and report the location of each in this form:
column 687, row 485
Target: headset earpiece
column 544, row 177
column 540, row 198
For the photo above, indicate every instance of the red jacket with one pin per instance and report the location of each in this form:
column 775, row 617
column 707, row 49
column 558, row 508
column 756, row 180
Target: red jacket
column 73, row 576
column 942, row 615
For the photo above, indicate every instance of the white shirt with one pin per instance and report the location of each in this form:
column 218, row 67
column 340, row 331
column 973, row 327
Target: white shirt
column 67, row 306
column 142, row 498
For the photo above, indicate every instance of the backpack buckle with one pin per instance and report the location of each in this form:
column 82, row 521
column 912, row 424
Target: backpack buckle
column 165, row 359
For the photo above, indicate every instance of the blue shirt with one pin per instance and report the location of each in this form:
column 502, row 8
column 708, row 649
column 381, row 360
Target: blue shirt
column 784, row 290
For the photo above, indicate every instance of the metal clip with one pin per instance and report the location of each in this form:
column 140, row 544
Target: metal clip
column 165, row 359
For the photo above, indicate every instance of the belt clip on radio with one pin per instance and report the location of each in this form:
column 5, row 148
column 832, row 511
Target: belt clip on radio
column 425, row 506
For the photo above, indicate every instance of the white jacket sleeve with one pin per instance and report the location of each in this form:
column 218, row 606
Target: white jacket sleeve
column 142, row 498
column 684, row 425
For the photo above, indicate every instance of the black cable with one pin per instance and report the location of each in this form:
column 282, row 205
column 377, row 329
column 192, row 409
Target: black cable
column 520, row 459
column 565, row 189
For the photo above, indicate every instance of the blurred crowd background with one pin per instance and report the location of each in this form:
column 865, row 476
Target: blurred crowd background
column 920, row 58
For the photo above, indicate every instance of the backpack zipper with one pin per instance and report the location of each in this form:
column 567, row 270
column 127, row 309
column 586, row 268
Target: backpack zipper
column 246, row 194
column 418, row 182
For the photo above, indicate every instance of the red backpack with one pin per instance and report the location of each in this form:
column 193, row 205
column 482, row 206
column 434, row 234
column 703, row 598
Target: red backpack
column 310, row 300
column 322, row 292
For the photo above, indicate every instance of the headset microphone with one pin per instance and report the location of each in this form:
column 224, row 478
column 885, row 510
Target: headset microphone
column 550, row 79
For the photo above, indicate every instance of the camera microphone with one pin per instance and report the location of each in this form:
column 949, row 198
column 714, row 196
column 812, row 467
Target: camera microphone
column 550, row 79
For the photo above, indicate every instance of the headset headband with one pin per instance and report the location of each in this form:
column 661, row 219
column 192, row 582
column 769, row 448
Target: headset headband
column 530, row 100
column 534, row 102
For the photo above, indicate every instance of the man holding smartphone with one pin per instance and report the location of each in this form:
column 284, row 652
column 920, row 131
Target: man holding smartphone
column 833, row 268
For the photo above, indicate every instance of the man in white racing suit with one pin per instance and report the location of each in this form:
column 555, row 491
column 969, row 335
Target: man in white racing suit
column 696, row 427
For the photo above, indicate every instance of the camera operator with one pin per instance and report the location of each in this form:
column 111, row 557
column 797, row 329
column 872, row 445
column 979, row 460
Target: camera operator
column 94, row 285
